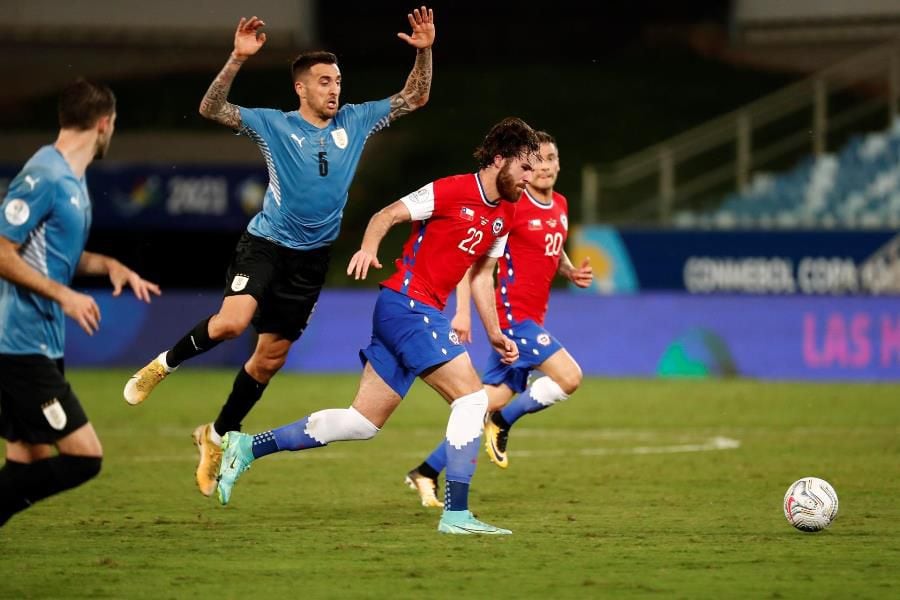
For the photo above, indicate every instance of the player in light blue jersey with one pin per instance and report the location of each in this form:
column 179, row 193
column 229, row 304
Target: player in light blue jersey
column 280, row 263
column 44, row 223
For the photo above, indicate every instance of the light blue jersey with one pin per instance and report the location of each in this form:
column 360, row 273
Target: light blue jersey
column 310, row 170
column 47, row 212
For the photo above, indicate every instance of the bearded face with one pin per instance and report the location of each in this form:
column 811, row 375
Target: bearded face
column 512, row 177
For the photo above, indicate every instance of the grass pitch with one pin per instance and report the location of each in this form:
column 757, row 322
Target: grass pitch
column 629, row 489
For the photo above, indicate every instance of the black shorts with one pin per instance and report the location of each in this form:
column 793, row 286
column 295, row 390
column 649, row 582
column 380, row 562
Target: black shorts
column 285, row 282
column 37, row 404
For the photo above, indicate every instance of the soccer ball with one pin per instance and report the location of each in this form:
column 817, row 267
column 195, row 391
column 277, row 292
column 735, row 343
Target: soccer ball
column 810, row 504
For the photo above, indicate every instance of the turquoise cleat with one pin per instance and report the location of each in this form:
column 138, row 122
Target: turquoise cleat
column 463, row 522
column 237, row 454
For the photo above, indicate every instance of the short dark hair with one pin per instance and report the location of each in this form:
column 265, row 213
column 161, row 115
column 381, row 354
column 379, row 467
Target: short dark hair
column 545, row 138
column 512, row 137
column 83, row 102
column 306, row 60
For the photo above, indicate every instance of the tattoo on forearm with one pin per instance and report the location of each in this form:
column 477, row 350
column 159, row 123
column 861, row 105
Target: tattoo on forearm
column 418, row 85
column 215, row 105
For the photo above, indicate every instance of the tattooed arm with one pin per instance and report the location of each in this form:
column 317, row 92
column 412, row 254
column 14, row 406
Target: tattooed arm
column 418, row 85
column 247, row 42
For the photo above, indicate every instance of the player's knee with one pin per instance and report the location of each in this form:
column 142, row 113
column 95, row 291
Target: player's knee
column 340, row 424
column 262, row 369
column 547, row 391
column 224, row 327
column 570, row 381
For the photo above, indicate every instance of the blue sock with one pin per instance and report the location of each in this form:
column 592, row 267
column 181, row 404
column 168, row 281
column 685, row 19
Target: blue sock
column 460, row 469
column 290, row 437
column 437, row 460
column 264, row 444
column 456, row 495
column 522, row 405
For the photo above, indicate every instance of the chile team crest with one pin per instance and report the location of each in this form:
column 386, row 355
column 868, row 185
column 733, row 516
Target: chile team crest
column 497, row 227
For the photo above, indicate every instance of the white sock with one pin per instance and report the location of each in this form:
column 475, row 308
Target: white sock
column 214, row 436
column 162, row 360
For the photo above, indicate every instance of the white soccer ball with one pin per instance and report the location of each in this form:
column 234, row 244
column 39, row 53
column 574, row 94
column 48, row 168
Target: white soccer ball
column 810, row 504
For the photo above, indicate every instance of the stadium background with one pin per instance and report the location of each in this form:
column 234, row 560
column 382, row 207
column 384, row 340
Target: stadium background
column 607, row 81
column 664, row 475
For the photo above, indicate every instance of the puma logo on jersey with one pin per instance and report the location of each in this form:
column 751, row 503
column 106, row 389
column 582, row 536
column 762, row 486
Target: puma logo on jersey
column 74, row 201
column 32, row 181
column 298, row 140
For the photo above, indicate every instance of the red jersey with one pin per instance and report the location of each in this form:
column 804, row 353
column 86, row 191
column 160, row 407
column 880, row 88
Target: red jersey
column 531, row 259
column 454, row 224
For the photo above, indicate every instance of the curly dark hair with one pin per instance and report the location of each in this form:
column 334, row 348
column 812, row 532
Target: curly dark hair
column 83, row 102
column 512, row 137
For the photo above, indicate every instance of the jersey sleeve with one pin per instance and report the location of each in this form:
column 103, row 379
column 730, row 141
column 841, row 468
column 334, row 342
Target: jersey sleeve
column 498, row 247
column 28, row 200
column 420, row 203
column 255, row 121
column 370, row 117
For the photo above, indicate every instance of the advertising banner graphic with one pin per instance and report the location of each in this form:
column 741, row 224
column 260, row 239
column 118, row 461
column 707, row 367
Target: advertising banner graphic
column 183, row 197
column 817, row 262
column 648, row 335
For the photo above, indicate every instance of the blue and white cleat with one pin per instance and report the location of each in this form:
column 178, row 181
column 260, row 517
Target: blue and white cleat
column 237, row 454
column 463, row 522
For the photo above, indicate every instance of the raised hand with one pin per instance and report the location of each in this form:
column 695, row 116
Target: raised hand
column 248, row 38
column 422, row 22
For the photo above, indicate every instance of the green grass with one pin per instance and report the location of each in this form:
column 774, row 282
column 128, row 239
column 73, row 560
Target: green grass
column 597, row 509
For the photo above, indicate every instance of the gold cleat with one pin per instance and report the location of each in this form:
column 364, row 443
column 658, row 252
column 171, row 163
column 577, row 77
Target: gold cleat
column 144, row 381
column 210, row 459
column 495, row 438
column 426, row 487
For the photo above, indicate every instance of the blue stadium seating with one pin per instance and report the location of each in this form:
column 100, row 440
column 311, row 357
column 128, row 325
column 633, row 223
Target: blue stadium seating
column 859, row 187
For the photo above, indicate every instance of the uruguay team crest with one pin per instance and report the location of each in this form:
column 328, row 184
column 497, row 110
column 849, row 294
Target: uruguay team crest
column 340, row 138
column 55, row 415
column 239, row 283
column 497, row 227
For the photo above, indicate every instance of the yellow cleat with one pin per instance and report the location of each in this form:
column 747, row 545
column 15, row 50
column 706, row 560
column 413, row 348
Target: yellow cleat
column 144, row 381
column 426, row 487
column 495, row 438
column 210, row 459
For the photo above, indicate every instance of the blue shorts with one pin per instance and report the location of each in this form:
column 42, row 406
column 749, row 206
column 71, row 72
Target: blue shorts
column 536, row 345
column 408, row 337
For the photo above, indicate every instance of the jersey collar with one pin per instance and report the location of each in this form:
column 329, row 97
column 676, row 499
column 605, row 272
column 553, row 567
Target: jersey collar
column 484, row 197
column 537, row 202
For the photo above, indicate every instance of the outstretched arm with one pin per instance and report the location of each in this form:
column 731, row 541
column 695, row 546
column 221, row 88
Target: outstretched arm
column 418, row 85
column 92, row 263
column 380, row 223
column 247, row 42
